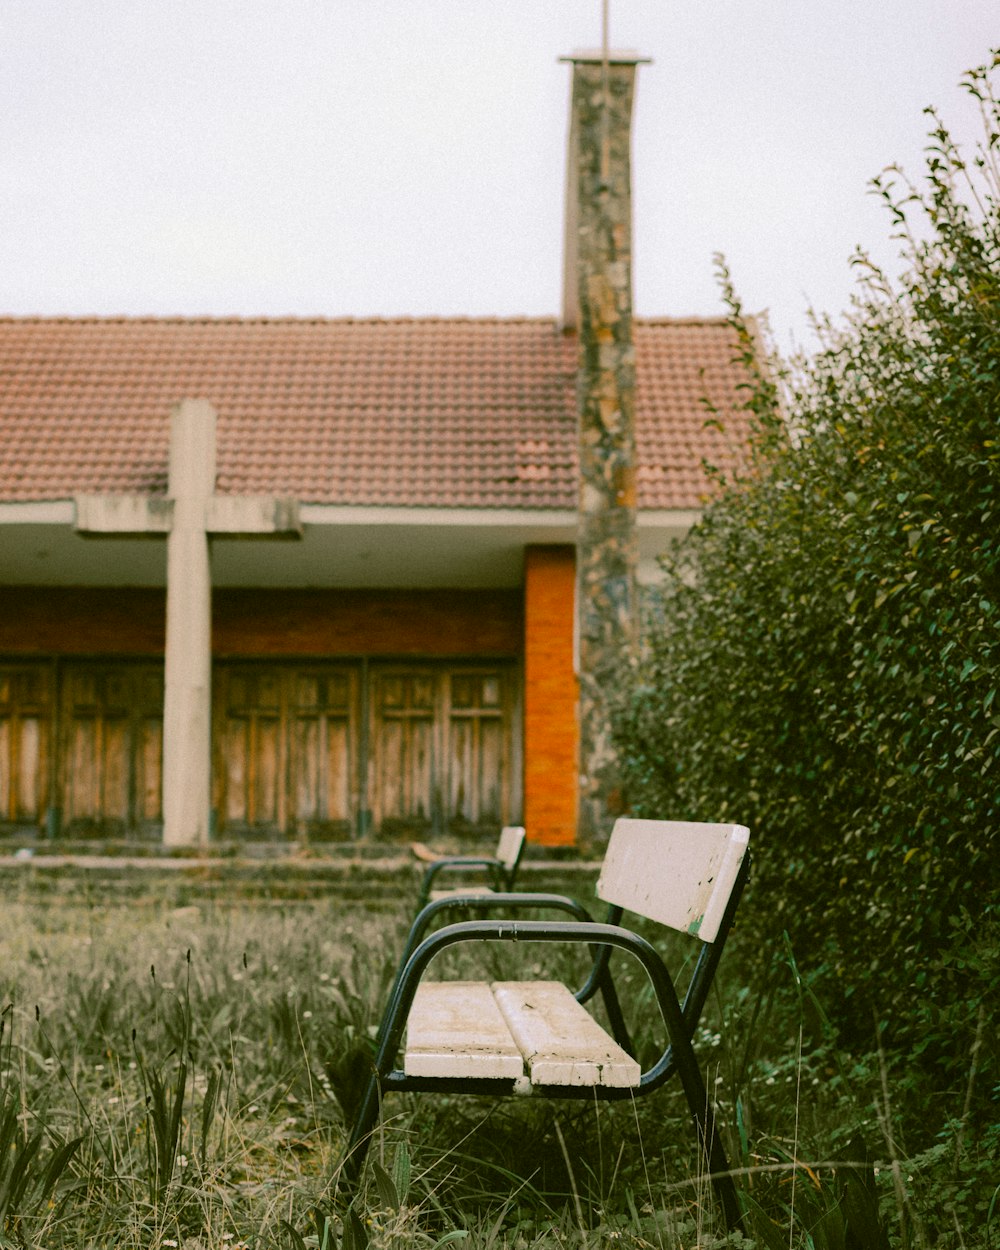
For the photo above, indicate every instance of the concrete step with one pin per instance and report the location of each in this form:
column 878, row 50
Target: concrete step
column 351, row 871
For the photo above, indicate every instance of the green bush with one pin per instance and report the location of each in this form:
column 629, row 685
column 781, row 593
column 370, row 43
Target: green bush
column 823, row 660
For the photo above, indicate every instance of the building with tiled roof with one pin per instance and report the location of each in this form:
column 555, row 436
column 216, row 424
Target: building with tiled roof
column 414, row 413
column 382, row 421
column 399, row 658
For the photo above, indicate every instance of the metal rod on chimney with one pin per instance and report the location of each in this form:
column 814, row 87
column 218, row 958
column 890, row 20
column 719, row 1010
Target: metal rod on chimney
column 605, row 101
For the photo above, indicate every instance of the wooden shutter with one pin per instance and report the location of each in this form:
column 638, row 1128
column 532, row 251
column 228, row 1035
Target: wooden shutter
column 286, row 750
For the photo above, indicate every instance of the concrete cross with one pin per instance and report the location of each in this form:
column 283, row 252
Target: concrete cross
column 190, row 516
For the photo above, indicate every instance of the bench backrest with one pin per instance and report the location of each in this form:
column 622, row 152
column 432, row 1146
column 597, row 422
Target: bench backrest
column 679, row 873
column 510, row 846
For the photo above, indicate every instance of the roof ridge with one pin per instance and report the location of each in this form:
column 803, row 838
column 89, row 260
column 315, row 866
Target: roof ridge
column 263, row 319
column 696, row 319
column 414, row 319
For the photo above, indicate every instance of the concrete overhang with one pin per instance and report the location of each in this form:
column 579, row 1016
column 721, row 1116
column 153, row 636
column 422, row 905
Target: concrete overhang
column 40, row 545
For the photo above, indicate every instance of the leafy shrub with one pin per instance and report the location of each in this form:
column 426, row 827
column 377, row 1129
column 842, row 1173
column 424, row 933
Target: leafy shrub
column 823, row 660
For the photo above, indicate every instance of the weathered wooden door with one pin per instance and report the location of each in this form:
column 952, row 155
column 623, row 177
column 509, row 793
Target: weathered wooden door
column 286, row 750
column 323, row 751
column 318, row 751
column 26, row 716
column 111, row 749
column 440, row 749
column 478, row 754
column 403, row 785
column 249, row 751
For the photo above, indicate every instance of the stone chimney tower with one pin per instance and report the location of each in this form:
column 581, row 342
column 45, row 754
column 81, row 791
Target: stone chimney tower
column 597, row 304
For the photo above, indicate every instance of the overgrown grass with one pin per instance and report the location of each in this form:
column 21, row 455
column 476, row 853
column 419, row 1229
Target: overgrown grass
column 175, row 1077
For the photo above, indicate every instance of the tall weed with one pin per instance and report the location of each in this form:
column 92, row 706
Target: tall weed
column 34, row 1157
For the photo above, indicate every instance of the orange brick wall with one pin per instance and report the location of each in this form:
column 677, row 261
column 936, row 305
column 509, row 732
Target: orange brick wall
column 550, row 696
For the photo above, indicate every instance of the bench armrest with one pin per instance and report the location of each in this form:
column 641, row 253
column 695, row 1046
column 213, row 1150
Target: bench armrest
column 496, row 901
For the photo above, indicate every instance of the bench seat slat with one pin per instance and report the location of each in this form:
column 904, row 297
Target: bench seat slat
column 561, row 1042
column 455, row 1029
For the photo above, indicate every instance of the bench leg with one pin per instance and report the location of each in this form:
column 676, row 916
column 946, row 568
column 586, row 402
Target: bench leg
column 722, row 1181
column 365, row 1122
column 712, row 1149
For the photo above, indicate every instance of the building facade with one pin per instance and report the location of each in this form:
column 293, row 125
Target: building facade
column 311, row 580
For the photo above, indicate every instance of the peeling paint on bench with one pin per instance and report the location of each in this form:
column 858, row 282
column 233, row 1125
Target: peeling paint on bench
column 561, row 1042
column 455, row 1029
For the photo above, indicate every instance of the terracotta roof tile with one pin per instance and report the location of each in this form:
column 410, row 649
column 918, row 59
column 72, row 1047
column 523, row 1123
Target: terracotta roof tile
column 415, row 412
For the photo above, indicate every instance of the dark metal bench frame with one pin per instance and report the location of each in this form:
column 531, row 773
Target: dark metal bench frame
column 499, row 875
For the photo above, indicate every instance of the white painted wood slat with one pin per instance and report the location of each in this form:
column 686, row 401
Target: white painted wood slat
column 561, row 1042
column 509, row 845
column 455, row 1029
column 679, row 873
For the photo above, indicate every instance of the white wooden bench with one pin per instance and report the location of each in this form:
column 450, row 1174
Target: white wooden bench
column 492, row 873
column 537, row 1037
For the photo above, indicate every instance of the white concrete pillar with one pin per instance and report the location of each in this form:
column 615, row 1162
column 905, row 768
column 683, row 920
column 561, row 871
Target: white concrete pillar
column 187, row 710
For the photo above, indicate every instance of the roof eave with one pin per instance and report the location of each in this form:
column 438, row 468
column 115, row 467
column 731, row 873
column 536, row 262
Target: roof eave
column 340, row 546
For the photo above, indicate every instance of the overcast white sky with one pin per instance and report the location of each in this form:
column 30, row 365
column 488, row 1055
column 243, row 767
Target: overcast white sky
column 383, row 157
